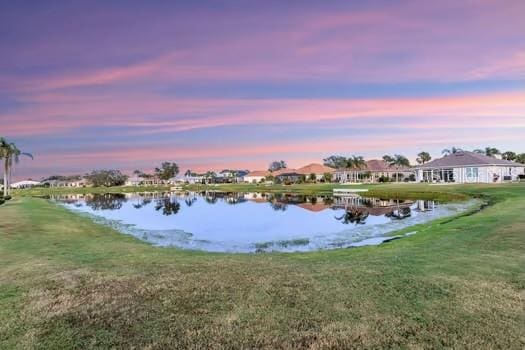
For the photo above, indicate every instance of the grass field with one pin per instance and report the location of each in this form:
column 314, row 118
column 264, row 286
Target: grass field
column 66, row 282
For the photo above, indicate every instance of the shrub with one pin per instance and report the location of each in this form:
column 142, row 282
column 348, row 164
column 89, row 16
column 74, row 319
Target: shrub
column 7, row 197
column 383, row 178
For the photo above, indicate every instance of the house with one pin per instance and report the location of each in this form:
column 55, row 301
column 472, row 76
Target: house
column 65, row 183
column 256, row 176
column 143, row 181
column 374, row 171
column 469, row 167
column 318, row 170
column 188, row 179
column 286, row 175
column 232, row 176
column 25, row 184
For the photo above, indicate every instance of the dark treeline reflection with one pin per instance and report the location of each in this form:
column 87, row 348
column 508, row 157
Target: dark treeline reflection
column 356, row 209
column 353, row 217
column 168, row 205
column 106, row 201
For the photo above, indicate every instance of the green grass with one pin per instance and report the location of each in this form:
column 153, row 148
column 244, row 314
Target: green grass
column 66, row 282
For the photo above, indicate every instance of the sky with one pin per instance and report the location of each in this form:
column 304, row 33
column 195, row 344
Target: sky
column 236, row 84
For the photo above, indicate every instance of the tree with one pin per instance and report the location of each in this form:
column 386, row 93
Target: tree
column 397, row 160
column 520, row 158
column 452, row 150
column 388, row 159
column 209, row 176
column 167, row 170
column 509, row 155
column 327, row 177
column 277, row 165
column 491, row 151
column 188, row 173
column 137, row 172
column 312, row 177
column 11, row 155
column 356, row 162
column 423, row 157
column 106, row 178
column 335, row 162
column 343, row 162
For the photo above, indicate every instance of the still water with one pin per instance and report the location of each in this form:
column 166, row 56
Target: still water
column 255, row 222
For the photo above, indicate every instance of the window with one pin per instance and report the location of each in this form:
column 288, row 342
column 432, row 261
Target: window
column 472, row 173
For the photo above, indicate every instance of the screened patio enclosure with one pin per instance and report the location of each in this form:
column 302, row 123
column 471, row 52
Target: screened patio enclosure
column 438, row 175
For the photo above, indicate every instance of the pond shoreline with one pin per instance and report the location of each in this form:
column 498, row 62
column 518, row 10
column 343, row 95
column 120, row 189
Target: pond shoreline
column 177, row 236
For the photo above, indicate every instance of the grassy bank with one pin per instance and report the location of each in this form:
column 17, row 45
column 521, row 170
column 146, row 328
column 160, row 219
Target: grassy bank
column 419, row 191
column 66, row 282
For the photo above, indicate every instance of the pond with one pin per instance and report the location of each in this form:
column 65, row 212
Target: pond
column 256, row 222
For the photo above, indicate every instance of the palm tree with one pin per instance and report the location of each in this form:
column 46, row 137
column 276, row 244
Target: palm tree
column 452, row 150
column 357, row 162
column 423, row 157
column 491, row 151
column 11, row 155
column 488, row 151
column 388, row 159
column 397, row 160
column 509, row 155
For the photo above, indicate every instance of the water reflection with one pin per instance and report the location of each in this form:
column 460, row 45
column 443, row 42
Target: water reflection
column 244, row 222
column 356, row 208
column 168, row 205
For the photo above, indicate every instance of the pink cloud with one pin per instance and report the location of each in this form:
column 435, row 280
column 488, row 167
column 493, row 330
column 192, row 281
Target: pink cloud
column 419, row 41
column 153, row 114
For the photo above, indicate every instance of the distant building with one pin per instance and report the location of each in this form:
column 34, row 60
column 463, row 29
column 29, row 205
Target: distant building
column 256, row 176
column 231, row 176
column 25, row 184
column 189, row 179
column 66, row 183
column 374, row 171
column 469, row 167
column 287, row 175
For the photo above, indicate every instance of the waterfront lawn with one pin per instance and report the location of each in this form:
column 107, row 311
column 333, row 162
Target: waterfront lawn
column 66, row 282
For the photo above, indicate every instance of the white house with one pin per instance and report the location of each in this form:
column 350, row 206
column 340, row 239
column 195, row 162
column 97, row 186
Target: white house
column 469, row 167
column 256, row 176
column 25, row 184
column 373, row 171
column 66, row 183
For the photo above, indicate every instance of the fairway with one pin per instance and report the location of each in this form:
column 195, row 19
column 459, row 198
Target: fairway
column 66, row 282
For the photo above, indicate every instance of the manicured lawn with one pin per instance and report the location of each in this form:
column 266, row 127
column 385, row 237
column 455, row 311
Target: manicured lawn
column 66, row 282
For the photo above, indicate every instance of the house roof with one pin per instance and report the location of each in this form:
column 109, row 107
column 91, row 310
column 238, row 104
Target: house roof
column 283, row 171
column 258, row 173
column 466, row 158
column 314, row 168
column 317, row 207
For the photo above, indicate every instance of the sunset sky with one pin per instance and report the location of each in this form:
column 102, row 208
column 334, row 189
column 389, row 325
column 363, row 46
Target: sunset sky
column 236, row 84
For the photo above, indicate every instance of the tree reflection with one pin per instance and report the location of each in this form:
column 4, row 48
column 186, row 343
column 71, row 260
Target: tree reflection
column 190, row 201
column 399, row 213
column 106, row 201
column 353, row 217
column 142, row 203
column 278, row 206
column 169, row 205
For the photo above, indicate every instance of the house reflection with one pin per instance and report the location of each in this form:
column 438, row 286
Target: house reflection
column 357, row 208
